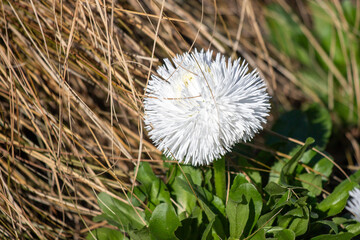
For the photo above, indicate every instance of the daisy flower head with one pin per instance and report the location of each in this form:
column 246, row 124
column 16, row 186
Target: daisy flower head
column 197, row 108
column 353, row 205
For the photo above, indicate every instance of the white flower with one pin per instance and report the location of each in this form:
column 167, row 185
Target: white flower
column 354, row 204
column 198, row 109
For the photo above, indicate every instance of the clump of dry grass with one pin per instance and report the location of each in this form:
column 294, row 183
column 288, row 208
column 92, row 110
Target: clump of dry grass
column 72, row 83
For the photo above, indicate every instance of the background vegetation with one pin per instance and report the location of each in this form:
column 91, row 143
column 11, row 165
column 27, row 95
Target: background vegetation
column 72, row 139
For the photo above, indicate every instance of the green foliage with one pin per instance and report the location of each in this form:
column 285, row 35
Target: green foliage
column 288, row 170
column 243, row 208
column 219, row 178
column 314, row 121
column 286, row 203
column 336, row 201
column 164, row 222
column 320, row 54
column 118, row 213
column 106, row 234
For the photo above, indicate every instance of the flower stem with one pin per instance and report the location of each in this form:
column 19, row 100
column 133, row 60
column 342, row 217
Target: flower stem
column 220, row 180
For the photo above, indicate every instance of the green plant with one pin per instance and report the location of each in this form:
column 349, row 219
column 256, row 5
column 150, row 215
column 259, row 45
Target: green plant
column 325, row 48
column 285, row 203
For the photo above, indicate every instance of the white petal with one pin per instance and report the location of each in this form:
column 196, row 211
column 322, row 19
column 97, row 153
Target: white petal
column 197, row 109
column 354, row 203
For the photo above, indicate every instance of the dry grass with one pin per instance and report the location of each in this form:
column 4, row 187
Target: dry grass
column 73, row 75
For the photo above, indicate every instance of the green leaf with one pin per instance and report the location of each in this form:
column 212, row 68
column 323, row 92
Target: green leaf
column 202, row 193
column 207, row 233
column 238, row 214
column 287, row 171
column 207, row 202
column 340, row 220
column 351, row 225
column 311, row 182
column 285, row 234
column 336, row 201
column 195, row 174
column 273, row 230
column 164, row 222
column 320, row 124
column 254, row 175
column 159, row 193
column 296, row 220
column 243, row 208
column 153, row 186
column 275, row 203
column 275, row 171
column 140, row 193
column 353, row 228
column 145, row 174
column 331, row 224
column 260, row 235
column 291, row 124
column 106, row 234
column 314, row 122
column 267, row 219
column 185, row 198
column 341, row 236
column 142, row 234
column 218, row 227
column 105, row 217
column 238, row 180
column 318, row 163
column 324, row 166
column 208, row 180
column 191, row 227
column 284, row 200
column 219, row 178
column 275, row 189
column 122, row 214
column 219, row 205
